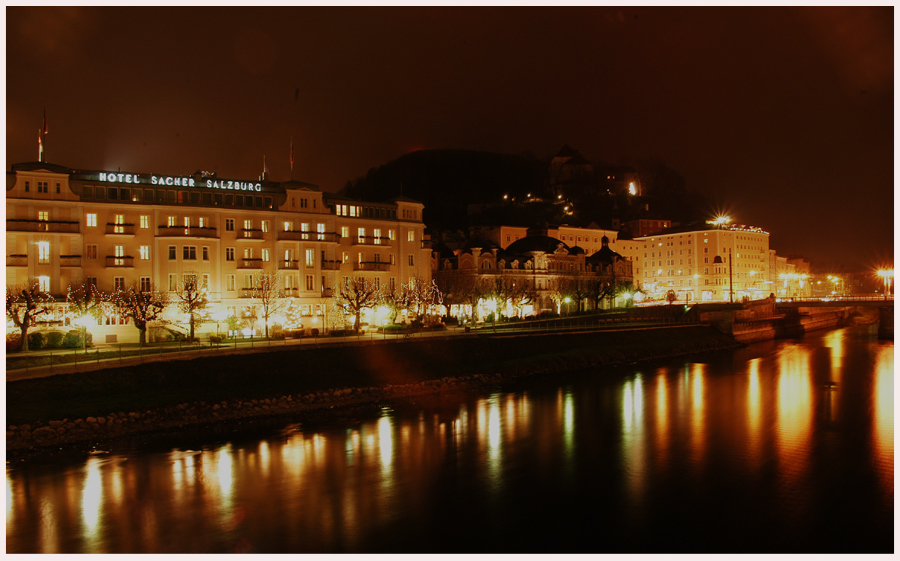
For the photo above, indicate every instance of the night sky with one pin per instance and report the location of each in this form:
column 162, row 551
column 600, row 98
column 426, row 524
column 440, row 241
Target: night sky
column 782, row 115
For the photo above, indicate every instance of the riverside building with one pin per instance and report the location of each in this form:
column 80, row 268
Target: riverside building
column 115, row 229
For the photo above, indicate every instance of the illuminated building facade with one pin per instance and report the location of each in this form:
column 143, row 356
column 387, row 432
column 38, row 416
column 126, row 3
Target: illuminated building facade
column 116, row 229
column 683, row 260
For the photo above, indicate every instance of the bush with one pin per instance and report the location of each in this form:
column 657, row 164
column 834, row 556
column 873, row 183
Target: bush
column 54, row 339
column 276, row 332
column 13, row 342
column 72, row 339
column 451, row 320
column 215, row 339
column 416, row 323
column 294, row 333
column 314, row 331
column 35, row 341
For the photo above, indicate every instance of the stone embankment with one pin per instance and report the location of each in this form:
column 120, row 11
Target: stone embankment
column 368, row 372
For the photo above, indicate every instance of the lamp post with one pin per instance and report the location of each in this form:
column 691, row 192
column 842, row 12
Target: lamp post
column 887, row 275
column 718, row 261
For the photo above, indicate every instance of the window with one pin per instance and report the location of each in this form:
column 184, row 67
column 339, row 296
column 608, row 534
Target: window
column 265, row 225
column 248, row 281
column 187, row 223
column 305, row 228
column 91, row 251
column 27, row 187
column 206, row 253
column 173, row 282
column 248, row 224
column 288, row 226
column 310, row 258
column 145, row 284
column 145, row 252
column 43, row 253
column 92, row 220
column 171, row 222
column 189, row 252
column 345, row 258
column 411, row 261
column 172, row 252
column 229, row 224
column 43, row 215
column 391, row 259
column 304, row 203
column 118, row 283
column 377, row 235
column 345, row 231
column 201, row 222
column 229, row 254
column 44, row 284
column 309, row 282
column 229, row 282
column 248, row 253
column 391, row 235
column 119, row 252
column 205, row 282
column 320, row 228
column 145, row 221
column 265, row 254
column 361, row 235
column 42, row 186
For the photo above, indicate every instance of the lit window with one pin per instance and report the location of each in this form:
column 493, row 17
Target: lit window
column 321, row 229
column 171, row 222
column 145, row 252
column 345, row 231
column 305, row 228
column 44, row 284
column 43, row 252
column 288, row 226
column 361, row 235
column 411, row 236
column 377, row 236
column 92, row 220
column 265, row 254
column 43, row 215
column 230, row 281
column 310, row 258
column 145, row 221
column 265, row 225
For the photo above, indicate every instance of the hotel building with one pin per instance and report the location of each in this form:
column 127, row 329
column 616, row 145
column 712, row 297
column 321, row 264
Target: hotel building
column 116, row 229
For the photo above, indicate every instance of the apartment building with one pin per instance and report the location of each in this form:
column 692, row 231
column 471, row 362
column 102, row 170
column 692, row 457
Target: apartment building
column 114, row 228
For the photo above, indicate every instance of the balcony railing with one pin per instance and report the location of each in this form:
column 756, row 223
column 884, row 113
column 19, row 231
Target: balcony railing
column 371, row 240
column 331, row 265
column 124, row 229
column 371, row 266
column 123, row 261
column 251, row 234
column 291, row 235
column 188, row 231
column 24, row 225
column 254, row 263
column 17, row 260
column 288, row 264
column 70, row 261
column 426, row 244
column 246, row 293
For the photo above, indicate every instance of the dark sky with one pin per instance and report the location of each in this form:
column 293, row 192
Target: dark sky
column 783, row 115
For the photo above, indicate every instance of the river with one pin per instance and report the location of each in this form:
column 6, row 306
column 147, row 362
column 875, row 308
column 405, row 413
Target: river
column 784, row 446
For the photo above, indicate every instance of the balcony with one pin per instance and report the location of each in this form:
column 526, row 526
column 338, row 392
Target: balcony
column 290, row 235
column 290, row 292
column 371, row 266
column 247, row 293
column 291, row 264
column 120, row 229
column 250, row 263
column 250, row 234
column 187, row 231
column 331, row 265
column 119, row 261
column 16, row 260
column 70, row 261
column 371, row 240
column 426, row 244
column 24, row 225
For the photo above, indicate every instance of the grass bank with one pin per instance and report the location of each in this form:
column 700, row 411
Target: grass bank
column 314, row 373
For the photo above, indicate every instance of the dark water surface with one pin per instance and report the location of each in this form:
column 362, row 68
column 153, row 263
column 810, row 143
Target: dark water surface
column 785, row 446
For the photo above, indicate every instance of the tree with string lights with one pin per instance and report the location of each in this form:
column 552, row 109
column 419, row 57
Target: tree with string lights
column 25, row 304
column 191, row 298
column 85, row 301
column 142, row 306
column 357, row 294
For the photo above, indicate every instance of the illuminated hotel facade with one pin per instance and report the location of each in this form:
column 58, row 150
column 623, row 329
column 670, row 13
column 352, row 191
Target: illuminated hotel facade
column 117, row 229
column 684, row 260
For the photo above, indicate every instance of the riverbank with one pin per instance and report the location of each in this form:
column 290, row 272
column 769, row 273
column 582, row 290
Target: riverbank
column 87, row 409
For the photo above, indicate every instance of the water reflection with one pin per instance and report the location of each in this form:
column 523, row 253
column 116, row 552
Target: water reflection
column 418, row 477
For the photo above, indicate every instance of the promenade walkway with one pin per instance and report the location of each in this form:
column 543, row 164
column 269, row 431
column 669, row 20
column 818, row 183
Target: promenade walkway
column 104, row 356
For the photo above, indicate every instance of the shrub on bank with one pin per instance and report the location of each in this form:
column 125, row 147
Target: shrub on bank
column 13, row 342
column 74, row 340
column 35, row 341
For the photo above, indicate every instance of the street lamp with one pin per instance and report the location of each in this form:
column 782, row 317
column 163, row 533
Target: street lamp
column 887, row 275
column 718, row 261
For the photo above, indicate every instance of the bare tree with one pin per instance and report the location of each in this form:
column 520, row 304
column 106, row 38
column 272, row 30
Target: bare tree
column 85, row 300
column 358, row 294
column 25, row 304
column 141, row 306
column 192, row 298
column 422, row 295
column 395, row 298
column 267, row 290
column 517, row 292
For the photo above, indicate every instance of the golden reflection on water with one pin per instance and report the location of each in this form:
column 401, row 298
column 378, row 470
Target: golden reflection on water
column 633, row 442
column 754, row 413
column 794, row 414
column 662, row 415
column 883, row 418
column 698, row 414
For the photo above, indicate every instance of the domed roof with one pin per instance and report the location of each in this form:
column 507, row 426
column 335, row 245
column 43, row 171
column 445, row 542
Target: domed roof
column 442, row 250
column 576, row 250
column 485, row 245
column 528, row 244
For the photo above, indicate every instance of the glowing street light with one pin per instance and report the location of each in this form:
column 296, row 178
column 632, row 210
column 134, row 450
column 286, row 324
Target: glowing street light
column 888, row 276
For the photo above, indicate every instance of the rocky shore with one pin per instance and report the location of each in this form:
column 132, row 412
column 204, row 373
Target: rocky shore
column 364, row 367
